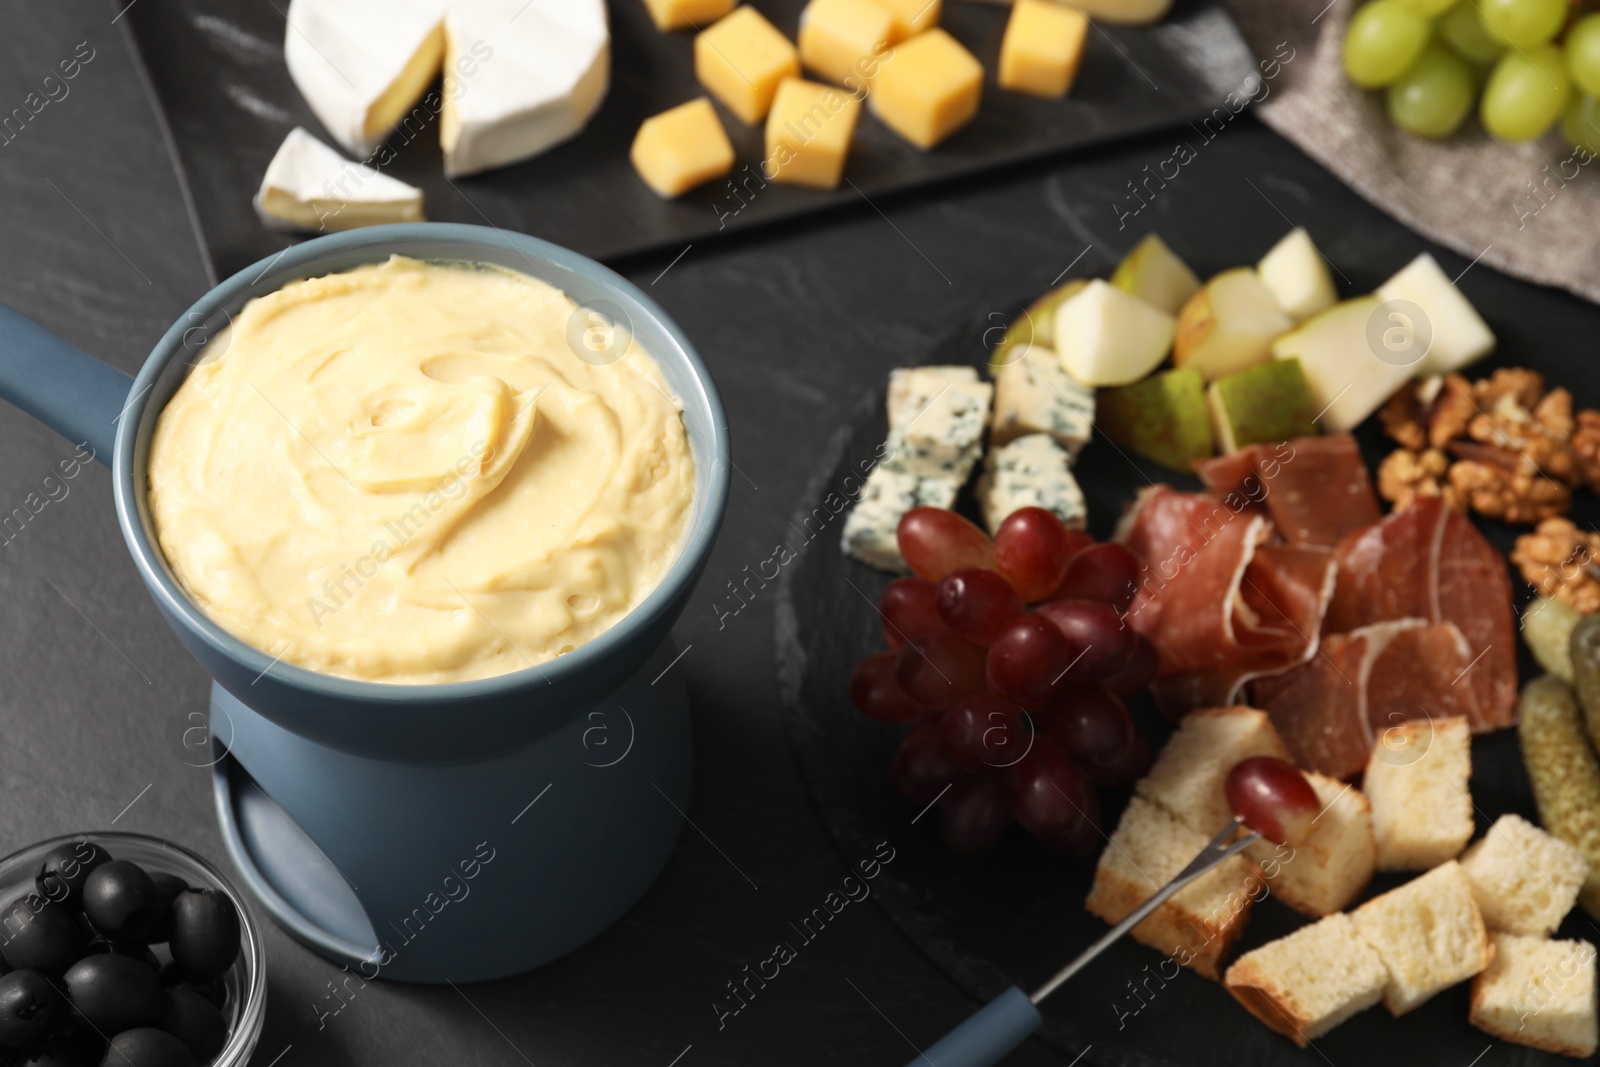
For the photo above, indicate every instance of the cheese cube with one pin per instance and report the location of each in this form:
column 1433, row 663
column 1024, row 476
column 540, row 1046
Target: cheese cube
column 912, row 389
column 1031, row 471
column 1042, row 48
column 809, row 132
column 911, row 17
column 943, row 437
column 844, row 40
column 1032, row 394
column 1539, row 993
column 686, row 14
column 742, row 60
column 870, row 528
column 682, row 148
column 928, row 88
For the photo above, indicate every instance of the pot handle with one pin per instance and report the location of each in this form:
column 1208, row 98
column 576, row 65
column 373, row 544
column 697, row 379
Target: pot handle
column 70, row 391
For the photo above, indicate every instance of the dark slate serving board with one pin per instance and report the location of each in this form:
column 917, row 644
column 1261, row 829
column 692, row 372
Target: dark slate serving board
column 1015, row 917
column 218, row 70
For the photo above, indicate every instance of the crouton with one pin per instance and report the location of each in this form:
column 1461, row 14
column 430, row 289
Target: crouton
column 1525, row 880
column 1189, row 774
column 1327, row 871
column 1417, row 782
column 1538, row 993
column 1198, row 924
column 1429, row 934
column 1305, row 984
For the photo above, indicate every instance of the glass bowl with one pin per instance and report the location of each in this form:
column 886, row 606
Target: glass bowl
column 246, row 980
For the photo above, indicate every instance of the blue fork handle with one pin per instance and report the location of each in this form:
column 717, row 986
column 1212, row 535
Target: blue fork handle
column 59, row 384
column 985, row 1038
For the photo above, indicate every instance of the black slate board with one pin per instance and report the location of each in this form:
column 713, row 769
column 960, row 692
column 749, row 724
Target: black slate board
column 1016, row 916
column 219, row 73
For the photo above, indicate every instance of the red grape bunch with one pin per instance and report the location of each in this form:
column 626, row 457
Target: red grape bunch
column 1015, row 714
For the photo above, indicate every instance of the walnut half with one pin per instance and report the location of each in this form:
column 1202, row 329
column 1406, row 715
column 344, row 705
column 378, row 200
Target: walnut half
column 1557, row 559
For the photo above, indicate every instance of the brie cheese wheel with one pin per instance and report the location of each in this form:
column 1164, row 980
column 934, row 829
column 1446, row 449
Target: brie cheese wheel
column 309, row 186
column 520, row 76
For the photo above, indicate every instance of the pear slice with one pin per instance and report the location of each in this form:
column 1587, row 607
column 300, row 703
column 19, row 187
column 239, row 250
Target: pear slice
column 1298, row 276
column 1339, row 357
column 1106, row 337
column 1228, row 326
column 1265, row 403
column 1035, row 326
column 1458, row 333
column 1155, row 275
column 1162, row 418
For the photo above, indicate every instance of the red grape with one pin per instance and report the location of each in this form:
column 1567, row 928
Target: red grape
column 1100, row 642
column 1031, row 550
column 939, row 669
column 1130, row 767
column 921, row 770
column 974, row 815
column 1137, row 674
column 1108, row 573
column 1051, row 797
column 1095, row 728
column 935, row 542
column 877, row 694
column 908, row 609
column 977, row 604
column 984, row 732
column 1028, row 661
column 1273, row 798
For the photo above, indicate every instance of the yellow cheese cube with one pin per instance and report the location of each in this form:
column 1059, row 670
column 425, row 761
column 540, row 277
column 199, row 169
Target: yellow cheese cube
column 741, row 60
column 808, row 133
column 928, row 88
column 1042, row 48
column 682, row 148
column 845, row 40
column 686, row 14
column 911, row 17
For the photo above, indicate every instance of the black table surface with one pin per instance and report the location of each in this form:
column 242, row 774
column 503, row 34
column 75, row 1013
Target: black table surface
column 796, row 323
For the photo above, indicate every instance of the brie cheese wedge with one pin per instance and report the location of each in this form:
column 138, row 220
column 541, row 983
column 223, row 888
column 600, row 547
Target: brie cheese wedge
column 309, row 186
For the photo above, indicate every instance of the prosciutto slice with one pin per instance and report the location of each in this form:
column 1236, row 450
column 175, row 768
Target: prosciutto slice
column 1316, row 489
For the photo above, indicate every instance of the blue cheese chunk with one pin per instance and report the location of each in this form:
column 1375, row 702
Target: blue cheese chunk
column 945, row 439
column 1031, row 471
column 912, row 389
column 870, row 528
column 1033, row 394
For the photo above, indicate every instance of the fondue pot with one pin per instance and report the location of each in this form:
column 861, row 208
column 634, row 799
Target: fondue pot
column 426, row 833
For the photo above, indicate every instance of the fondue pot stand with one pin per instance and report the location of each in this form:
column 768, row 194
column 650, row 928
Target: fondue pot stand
column 425, row 833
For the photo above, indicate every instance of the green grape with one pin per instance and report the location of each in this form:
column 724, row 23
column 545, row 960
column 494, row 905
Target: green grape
column 1583, row 53
column 1526, row 93
column 1429, row 8
column 1521, row 23
column 1432, row 98
column 1463, row 31
column 1580, row 127
column 1385, row 37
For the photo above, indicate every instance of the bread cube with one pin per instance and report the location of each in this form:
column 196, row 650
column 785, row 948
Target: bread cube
column 913, row 389
column 911, row 17
column 1305, row 984
column 1198, row 924
column 1538, row 993
column 1042, row 48
column 808, row 133
column 742, row 60
column 1188, row 775
column 1428, row 932
column 1327, row 871
column 845, row 40
column 686, row 14
column 1032, row 394
column 1417, row 782
column 928, row 88
column 682, row 148
column 1524, row 880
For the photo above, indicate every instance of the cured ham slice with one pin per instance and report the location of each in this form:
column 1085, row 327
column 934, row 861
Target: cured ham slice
column 1316, row 489
column 1333, row 709
column 1429, row 561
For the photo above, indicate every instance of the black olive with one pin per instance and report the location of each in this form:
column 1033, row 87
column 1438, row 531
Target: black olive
column 168, row 886
column 30, row 1009
column 120, row 900
column 39, row 936
column 147, row 1048
column 195, row 1021
column 134, row 951
column 115, row 993
column 63, row 870
column 205, row 932
column 80, row 1048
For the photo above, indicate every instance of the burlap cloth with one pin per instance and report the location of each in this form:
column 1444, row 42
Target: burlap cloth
column 1530, row 210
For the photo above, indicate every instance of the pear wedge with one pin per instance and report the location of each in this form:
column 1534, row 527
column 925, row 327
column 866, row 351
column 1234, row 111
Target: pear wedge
column 1265, row 403
column 1106, row 337
column 1154, row 274
column 1035, row 326
column 1162, row 418
column 1229, row 325
column 1298, row 276
column 1339, row 354
column 1459, row 335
